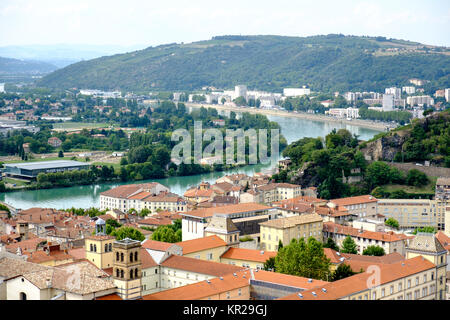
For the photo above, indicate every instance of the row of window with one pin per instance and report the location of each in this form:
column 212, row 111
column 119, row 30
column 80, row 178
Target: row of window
column 134, row 273
column 133, row 256
column 108, row 247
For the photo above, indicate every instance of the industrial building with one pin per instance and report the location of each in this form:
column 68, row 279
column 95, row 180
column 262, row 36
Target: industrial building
column 30, row 170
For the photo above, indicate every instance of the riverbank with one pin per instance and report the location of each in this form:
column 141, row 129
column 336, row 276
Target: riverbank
column 383, row 126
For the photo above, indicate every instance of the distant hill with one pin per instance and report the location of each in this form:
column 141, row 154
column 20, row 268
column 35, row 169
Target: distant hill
column 10, row 66
column 61, row 55
column 331, row 62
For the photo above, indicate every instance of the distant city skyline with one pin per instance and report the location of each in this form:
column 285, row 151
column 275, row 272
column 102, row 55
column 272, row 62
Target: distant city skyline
column 139, row 23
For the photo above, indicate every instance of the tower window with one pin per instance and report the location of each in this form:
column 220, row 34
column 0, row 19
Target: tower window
column 117, row 256
column 117, row 273
column 135, row 273
column 131, row 257
column 121, row 273
column 106, row 247
column 121, row 256
column 136, row 256
column 131, row 274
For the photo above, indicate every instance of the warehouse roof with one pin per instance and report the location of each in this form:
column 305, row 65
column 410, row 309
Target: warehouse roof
column 46, row 164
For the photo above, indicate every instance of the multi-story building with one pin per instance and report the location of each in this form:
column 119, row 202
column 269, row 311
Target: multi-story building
column 120, row 197
column 127, row 268
column 411, row 279
column 245, row 216
column 274, row 192
column 410, row 213
column 426, row 245
column 388, row 102
column 420, row 101
column 296, row 92
column 442, row 199
column 389, row 241
column 286, row 229
column 360, row 206
column 396, row 92
column 447, row 94
column 409, row 90
column 249, row 258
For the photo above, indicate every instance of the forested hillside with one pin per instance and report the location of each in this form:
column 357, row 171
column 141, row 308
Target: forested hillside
column 331, row 62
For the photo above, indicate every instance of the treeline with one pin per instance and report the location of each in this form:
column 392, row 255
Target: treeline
column 401, row 117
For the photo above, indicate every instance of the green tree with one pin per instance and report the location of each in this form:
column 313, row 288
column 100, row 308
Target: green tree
column 341, row 272
column 416, row 178
column 304, row 259
column 269, row 265
column 427, row 229
column 127, row 232
column 60, row 154
column 166, row 234
column 391, row 222
column 348, row 245
column 280, row 244
column 331, row 244
column 374, row 251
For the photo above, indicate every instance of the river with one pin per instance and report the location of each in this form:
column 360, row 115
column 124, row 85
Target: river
column 89, row 196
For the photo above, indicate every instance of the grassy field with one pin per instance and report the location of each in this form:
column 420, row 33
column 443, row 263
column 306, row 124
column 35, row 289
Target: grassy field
column 79, row 125
column 15, row 181
column 39, row 159
column 429, row 188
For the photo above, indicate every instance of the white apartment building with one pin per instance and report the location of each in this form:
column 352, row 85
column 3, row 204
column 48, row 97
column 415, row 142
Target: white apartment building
column 409, row 90
column 296, row 92
column 420, row 100
column 352, row 113
column 388, row 102
column 2, row 87
column 396, row 92
column 447, row 94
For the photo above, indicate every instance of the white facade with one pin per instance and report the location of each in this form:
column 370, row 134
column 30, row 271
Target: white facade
column 240, row 91
column 447, row 94
column 420, row 100
column 409, row 90
column 296, row 92
column 2, row 87
column 396, row 92
column 388, row 102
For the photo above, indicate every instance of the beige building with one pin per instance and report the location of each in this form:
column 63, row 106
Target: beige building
column 286, row 229
column 274, row 192
column 99, row 247
column 127, row 268
column 209, row 248
column 410, row 213
column 442, row 199
column 426, row 245
column 411, row 279
column 21, row 280
column 360, row 206
column 389, row 241
column 223, row 227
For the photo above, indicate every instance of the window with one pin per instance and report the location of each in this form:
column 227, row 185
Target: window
column 136, row 256
column 392, row 290
column 228, row 295
column 417, row 281
column 366, row 297
column 209, row 256
column 121, row 273
column 121, row 256
column 424, row 278
column 92, row 247
column 383, row 292
column 131, row 257
column 409, row 284
column 106, row 247
column 432, row 276
column 110, row 247
column 131, row 274
column 23, row 296
column 156, row 271
column 117, row 256
column 239, row 292
column 135, row 273
column 374, row 295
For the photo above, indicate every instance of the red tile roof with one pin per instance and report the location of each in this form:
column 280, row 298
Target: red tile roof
column 248, row 254
column 204, row 289
column 380, row 236
column 345, row 287
column 156, row 245
column 354, row 200
column 201, row 244
column 230, row 209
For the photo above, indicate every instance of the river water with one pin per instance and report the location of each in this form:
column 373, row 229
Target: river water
column 89, row 196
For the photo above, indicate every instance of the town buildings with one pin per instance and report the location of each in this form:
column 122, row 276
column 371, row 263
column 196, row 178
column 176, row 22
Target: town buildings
column 286, row 229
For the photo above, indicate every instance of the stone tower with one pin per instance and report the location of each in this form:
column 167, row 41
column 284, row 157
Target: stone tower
column 127, row 268
column 98, row 247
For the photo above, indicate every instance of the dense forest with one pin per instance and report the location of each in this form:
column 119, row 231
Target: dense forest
column 324, row 63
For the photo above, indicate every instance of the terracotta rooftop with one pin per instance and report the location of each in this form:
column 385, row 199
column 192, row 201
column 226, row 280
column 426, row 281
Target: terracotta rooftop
column 28, row 245
column 147, row 260
column 248, row 254
column 380, row 236
column 199, row 266
column 203, row 289
column 156, row 245
column 354, row 200
column 357, row 283
column 201, row 244
column 444, row 240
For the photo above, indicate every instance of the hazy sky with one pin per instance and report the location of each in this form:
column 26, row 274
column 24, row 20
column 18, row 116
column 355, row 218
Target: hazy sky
column 149, row 22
